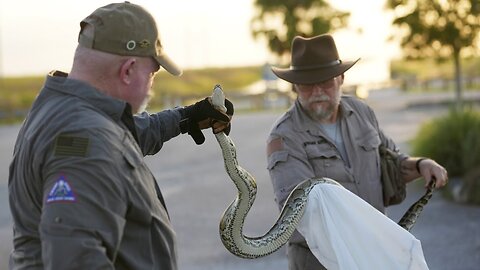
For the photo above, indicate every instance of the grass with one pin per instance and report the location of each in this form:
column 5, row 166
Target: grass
column 435, row 75
column 431, row 68
column 200, row 82
column 18, row 93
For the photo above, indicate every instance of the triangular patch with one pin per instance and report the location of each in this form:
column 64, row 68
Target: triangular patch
column 61, row 192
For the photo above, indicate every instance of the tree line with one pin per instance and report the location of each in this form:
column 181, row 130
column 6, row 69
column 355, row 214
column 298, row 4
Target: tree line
column 439, row 29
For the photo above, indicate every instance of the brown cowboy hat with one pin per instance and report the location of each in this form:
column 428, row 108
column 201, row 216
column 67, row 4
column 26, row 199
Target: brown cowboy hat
column 314, row 60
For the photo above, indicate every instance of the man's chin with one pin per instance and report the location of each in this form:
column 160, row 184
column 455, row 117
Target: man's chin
column 321, row 114
column 144, row 105
column 319, row 107
column 141, row 108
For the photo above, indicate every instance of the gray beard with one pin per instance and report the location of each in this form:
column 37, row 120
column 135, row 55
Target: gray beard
column 321, row 114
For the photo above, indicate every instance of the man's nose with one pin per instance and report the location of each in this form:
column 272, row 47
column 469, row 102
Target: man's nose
column 318, row 89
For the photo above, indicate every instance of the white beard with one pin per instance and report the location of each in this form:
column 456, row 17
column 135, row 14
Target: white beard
column 321, row 113
column 144, row 105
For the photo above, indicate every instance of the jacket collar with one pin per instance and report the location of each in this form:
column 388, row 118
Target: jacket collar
column 59, row 82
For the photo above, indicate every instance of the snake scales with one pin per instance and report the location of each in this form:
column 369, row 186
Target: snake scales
column 231, row 223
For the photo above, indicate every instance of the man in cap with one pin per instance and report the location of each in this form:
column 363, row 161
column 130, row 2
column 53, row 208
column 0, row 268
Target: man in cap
column 327, row 134
column 81, row 195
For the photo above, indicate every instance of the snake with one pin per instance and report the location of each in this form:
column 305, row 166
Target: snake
column 233, row 218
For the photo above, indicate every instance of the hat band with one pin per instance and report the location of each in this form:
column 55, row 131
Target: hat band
column 331, row 64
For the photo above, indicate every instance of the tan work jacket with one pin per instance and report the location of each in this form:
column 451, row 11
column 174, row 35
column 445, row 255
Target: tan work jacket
column 298, row 149
column 80, row 192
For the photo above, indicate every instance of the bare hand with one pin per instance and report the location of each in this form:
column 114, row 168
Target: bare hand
column 429, row 169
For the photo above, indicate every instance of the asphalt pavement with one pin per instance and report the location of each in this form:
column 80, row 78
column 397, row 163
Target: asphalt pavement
column 197, row 190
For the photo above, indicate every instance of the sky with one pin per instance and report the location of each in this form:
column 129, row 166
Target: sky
column 39, row 36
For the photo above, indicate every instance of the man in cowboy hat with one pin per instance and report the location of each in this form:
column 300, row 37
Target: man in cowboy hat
column 327, row 134
column 81, row 194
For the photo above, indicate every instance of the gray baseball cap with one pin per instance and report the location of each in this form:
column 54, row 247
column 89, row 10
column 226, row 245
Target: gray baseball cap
column 126, row 29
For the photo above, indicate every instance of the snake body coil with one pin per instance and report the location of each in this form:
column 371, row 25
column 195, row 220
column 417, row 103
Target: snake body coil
column 231, row 223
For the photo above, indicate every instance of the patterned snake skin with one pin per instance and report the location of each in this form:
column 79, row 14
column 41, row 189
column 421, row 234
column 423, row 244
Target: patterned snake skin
column 231, row 223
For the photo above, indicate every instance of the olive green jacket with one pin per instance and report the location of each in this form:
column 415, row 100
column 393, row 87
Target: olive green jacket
column 81, row 195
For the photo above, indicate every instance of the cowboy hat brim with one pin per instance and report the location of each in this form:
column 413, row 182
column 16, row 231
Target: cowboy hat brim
column 314, row 75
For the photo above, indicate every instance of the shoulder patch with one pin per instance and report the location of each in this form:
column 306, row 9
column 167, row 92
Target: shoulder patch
column 274, row 145
column 71, row 146
column 61, row 192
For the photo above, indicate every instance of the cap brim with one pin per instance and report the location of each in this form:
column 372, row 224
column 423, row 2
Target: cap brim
column 165, row 61
column 312, row 75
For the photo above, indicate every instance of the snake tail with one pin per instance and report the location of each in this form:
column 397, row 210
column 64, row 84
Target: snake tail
column 410, row 217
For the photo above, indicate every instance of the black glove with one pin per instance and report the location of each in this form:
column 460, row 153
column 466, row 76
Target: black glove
column 202, row 110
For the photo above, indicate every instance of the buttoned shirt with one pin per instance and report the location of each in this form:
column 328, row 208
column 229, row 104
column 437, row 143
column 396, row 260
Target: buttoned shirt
column 298, row 149
column 81, row 195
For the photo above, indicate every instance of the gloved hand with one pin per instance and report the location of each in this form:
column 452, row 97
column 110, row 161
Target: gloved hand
column 203, row 115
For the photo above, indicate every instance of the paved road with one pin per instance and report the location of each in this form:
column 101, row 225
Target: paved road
column 197, row 191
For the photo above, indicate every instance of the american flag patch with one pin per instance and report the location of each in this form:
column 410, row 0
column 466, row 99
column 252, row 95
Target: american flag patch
column 71, row 146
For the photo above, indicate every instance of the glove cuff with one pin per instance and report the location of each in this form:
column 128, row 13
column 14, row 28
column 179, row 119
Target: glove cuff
column 184, row 125
column 185, row 119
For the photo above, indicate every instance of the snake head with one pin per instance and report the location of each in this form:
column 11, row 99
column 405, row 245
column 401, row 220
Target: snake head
column 218, row 99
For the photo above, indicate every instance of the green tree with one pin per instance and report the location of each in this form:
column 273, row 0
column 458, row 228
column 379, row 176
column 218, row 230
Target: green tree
column 439, row 29
column 280, row 21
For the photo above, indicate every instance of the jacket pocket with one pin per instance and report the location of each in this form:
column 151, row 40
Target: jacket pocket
column 326, row 162
column 275, row 158
column 321, row 151
column 369, row 142
column 369, row 157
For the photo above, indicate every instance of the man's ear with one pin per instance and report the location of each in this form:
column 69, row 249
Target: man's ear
column 342, row 77
column 126, row 70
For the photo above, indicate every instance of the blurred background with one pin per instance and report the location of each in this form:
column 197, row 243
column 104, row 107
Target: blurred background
column 419, row 69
